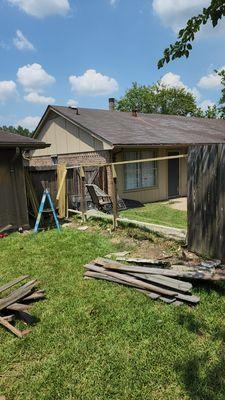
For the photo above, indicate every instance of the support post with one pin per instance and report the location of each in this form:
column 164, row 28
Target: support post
column 114, row 196
column 82, row 190
column 61, row 185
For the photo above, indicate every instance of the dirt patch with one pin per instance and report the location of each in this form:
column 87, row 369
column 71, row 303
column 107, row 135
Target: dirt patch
column 178, row 204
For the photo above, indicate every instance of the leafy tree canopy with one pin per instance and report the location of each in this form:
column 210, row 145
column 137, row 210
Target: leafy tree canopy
column 183, row 46
column 158, row 99
column 19, row 130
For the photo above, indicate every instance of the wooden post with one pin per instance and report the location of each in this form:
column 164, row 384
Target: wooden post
column 82, row 192
column 114, row 196
column 61, row 195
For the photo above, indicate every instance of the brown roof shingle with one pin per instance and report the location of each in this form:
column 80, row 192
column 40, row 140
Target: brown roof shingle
column 8, row 139
column 121, row 128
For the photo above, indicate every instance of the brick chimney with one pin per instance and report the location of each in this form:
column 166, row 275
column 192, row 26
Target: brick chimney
column 112, row 103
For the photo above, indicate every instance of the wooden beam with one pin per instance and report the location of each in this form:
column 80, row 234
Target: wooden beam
column 131, row 161
column 12, row 283
column 61, row 195
column 114, row 196
column 134, row 281
column 11, row 328
column 82, row 195
column 18, row 294
column 61, row 184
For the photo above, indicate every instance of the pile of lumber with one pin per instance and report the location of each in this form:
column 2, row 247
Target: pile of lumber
column 151, row 281
column 155, row 279
column 15, row 305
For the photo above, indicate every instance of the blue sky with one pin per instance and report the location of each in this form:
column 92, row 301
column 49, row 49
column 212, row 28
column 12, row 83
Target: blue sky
column 84, row 51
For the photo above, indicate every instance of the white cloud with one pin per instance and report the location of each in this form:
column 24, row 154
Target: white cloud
column 72, row 103
column 93, row 83
column 34, row 78
column 210, row 81
column 42, row 8
column 205, row 104
column 21, row 42
column 7, row 90
column 36, row 98
column 174, row 14
column 29, row 122
column 174, row 81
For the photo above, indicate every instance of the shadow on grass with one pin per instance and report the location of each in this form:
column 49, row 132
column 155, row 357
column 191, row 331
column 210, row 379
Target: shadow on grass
column 202, row 379
column 202, row 375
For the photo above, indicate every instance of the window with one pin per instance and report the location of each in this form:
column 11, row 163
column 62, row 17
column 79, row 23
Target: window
column 140, row 175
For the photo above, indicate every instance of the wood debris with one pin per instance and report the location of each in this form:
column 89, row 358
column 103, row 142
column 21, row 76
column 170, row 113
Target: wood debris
column 15, row 305
column 144, row 261
column 153, row 282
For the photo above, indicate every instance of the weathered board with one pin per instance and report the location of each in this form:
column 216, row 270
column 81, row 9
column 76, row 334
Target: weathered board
column 206, row 200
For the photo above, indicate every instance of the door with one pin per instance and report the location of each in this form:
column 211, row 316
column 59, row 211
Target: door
column 173, row 175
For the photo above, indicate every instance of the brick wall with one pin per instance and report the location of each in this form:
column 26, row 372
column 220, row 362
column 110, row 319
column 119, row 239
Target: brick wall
column 92, row 157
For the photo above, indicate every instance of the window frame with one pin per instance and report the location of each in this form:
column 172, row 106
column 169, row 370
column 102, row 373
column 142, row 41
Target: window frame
column 139, row 156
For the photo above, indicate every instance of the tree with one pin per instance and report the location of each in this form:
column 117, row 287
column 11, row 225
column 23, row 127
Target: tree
column 19, row 130
column 158, row 99
column 222, row 98
column 183, row 46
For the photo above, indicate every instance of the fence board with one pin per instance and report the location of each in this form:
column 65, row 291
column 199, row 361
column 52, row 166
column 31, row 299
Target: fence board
column 46, row 178
column 206, row 197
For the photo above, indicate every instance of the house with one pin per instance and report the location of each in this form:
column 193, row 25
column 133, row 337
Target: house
column 13, row 201
column 90, row 136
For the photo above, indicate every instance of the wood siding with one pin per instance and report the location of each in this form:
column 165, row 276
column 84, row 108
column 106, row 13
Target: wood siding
column 65, row 138
column 13, row 203
column 160, row 190
column 206, row 200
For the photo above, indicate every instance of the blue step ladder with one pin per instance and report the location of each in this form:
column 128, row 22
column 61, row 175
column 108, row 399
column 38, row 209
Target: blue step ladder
column 46, row 195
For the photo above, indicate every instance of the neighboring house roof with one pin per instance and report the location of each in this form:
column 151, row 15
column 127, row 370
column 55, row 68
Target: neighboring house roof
column 8, row 139
column 121, row 128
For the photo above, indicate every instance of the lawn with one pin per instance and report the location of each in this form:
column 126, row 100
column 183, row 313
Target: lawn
column 100, row 341
column 158, row 213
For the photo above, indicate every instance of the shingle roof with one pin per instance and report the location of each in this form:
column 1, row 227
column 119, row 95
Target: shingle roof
column 8, row 139
column 121, row 128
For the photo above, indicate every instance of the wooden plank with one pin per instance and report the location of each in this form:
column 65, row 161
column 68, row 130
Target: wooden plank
column 61, row 195
column 18, row 294
column 132, row 161
column 18, row 307
column 114, row 196
column 9, row 318
column 13, row 283
column 198, row 275
column 129, row 279
column 165, row 281
column 39, row 294
column 144, row 261
column 82, row 194
column 151, row 295
column 11, row 328
column 188, row 298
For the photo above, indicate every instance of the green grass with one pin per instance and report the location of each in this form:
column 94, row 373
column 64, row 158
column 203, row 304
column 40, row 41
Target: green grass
column 99, row 341
column 158, row 213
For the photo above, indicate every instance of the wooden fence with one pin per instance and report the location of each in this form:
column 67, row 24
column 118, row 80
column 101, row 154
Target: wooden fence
column 206, row 200
column 46, row 177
